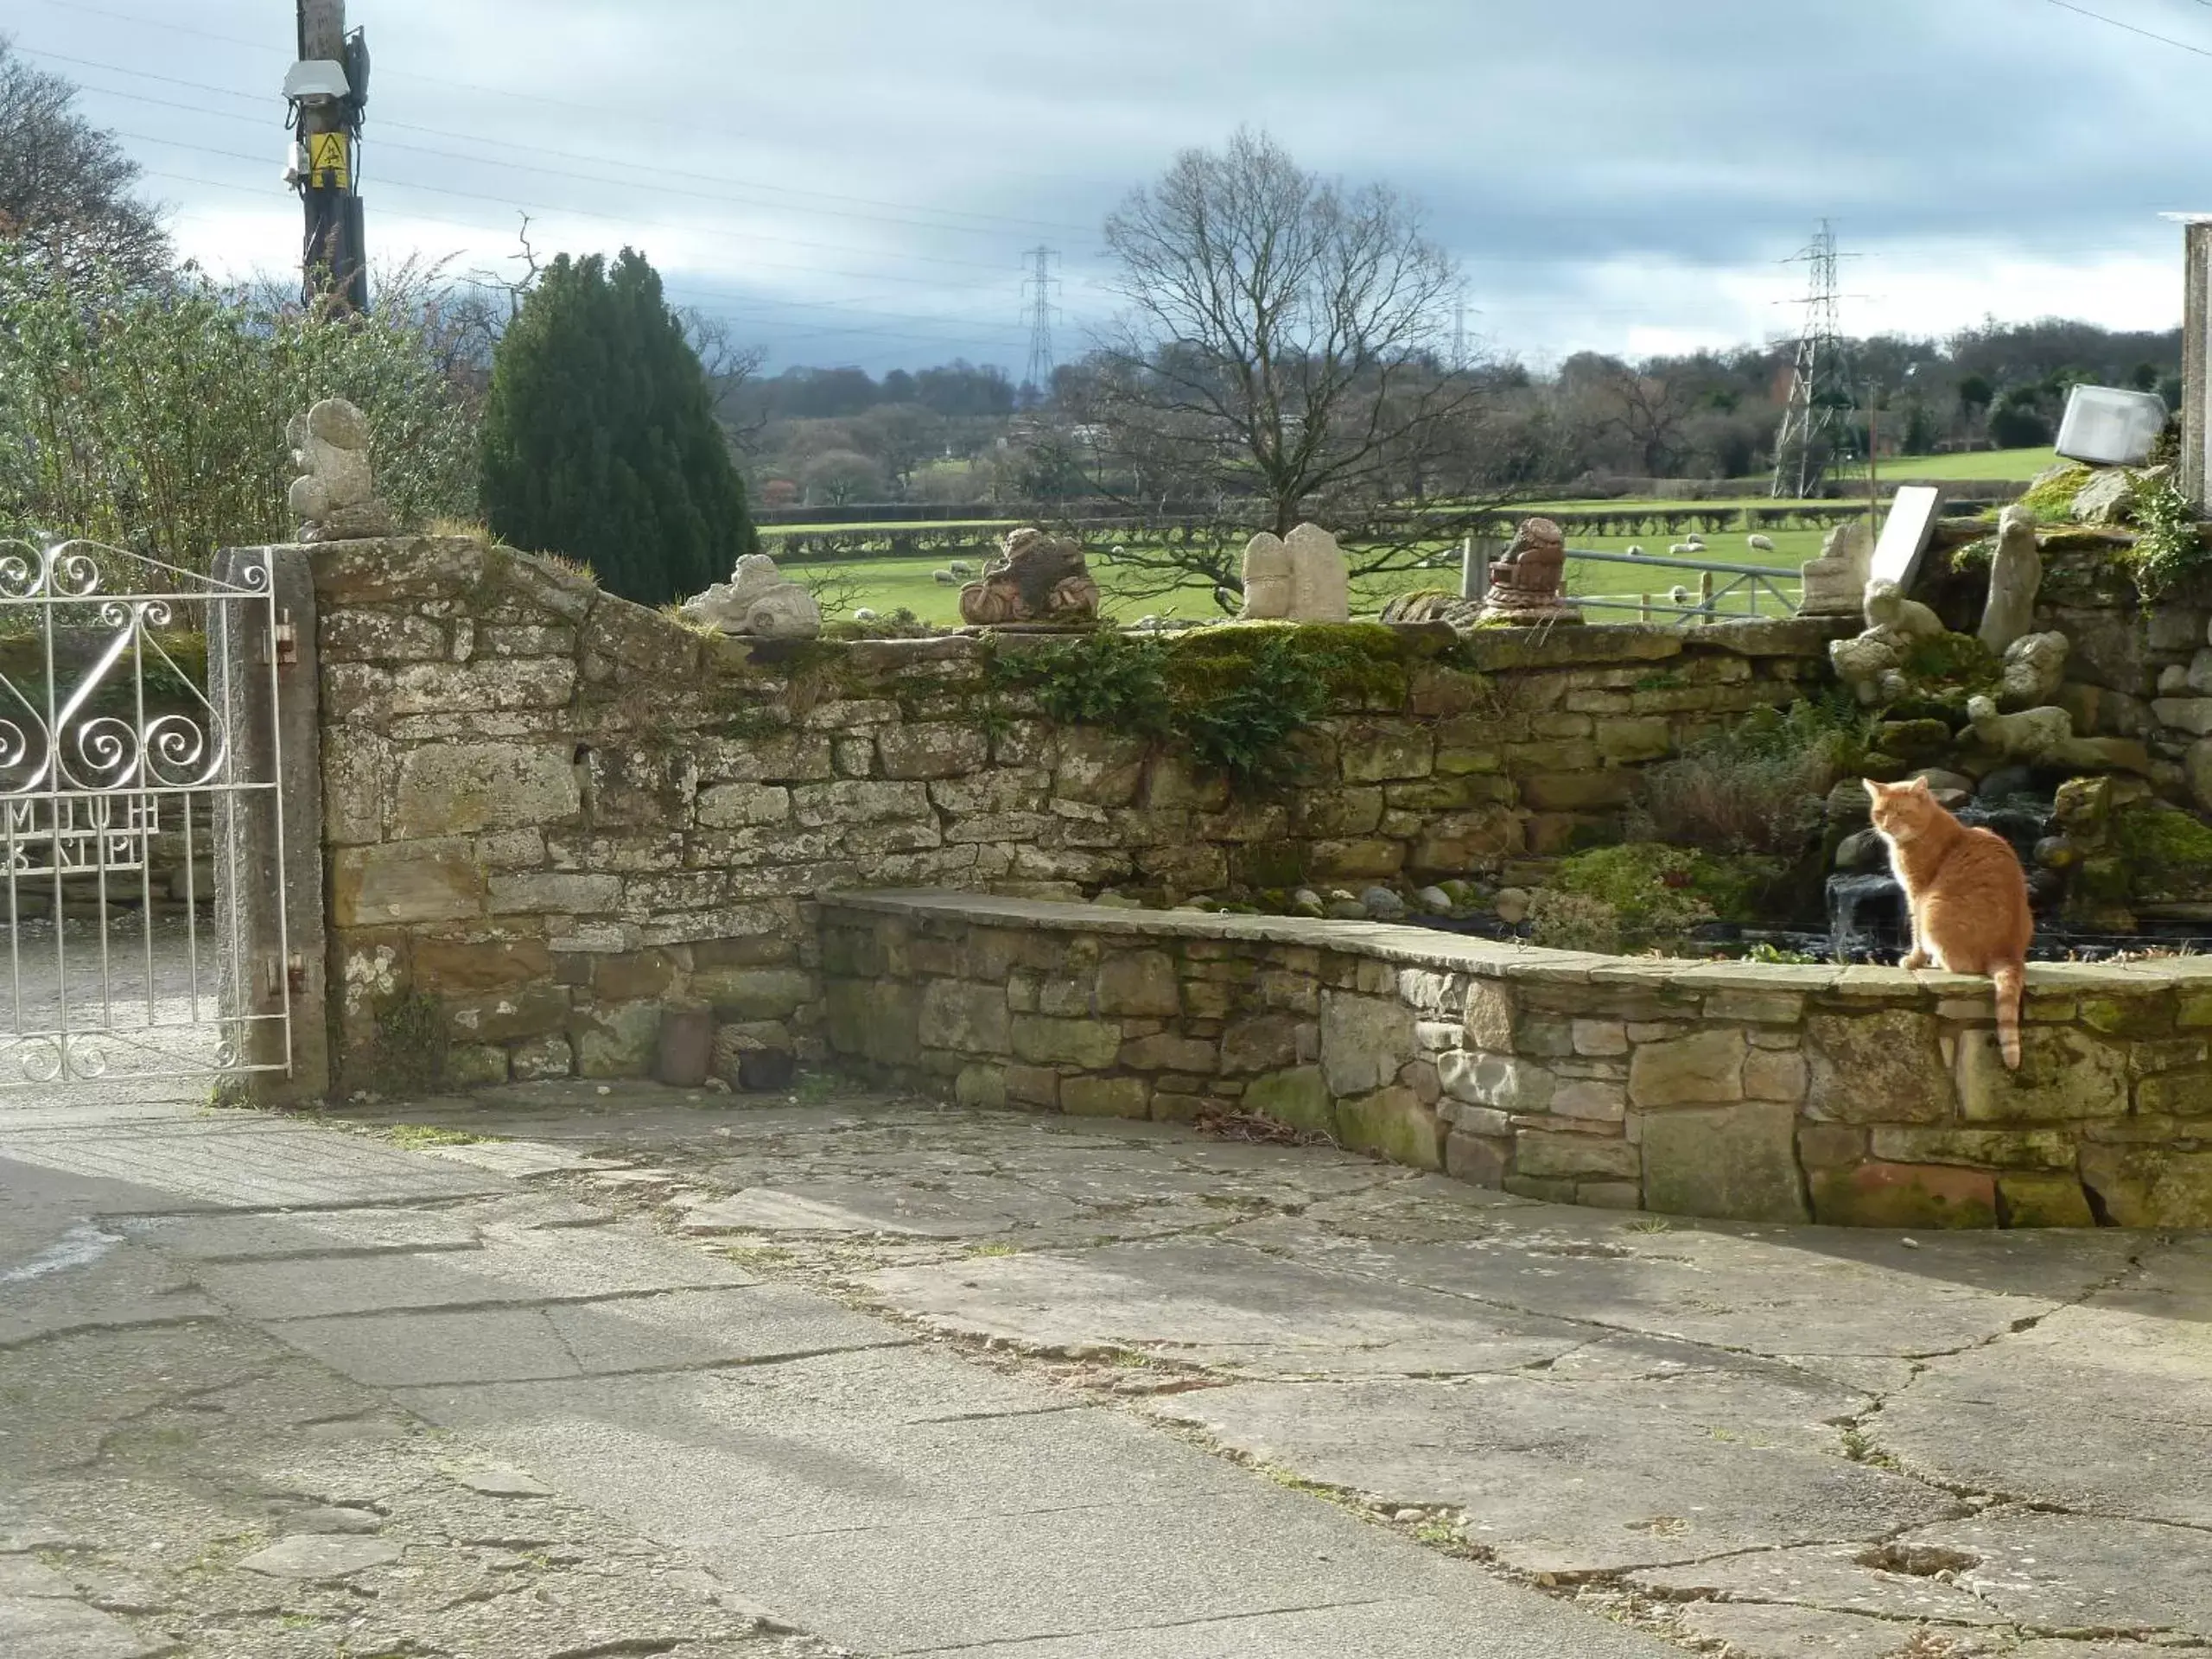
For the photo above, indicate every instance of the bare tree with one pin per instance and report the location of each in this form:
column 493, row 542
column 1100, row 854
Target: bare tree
column 729, row 369
column 1650, row 409
column 1278, row 359
column 66, row 186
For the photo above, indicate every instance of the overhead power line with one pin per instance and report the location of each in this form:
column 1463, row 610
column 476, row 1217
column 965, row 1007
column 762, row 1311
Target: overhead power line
column 689, row 131
column 799, row 206
column 581, row 212
column 261, row 194
column 2148, row 34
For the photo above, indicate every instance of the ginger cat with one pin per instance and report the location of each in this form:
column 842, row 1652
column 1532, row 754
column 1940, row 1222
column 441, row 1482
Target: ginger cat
column 1968, row 893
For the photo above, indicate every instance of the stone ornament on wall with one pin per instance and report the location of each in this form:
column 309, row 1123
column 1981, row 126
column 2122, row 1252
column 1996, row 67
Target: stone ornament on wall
column 1872, row 665
column 759, row 602
column 2015, row 575
column 2034, row 669
column 1524, row 584
column 334, row 497
column 1300, row 578
column 1836, row 583
column 1038, row 578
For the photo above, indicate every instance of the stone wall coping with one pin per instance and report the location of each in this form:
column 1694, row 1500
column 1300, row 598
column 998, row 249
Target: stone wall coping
column 1421, row 947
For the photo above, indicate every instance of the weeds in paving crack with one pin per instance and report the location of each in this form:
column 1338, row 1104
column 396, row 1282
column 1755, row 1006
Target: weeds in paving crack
column 423, row 1137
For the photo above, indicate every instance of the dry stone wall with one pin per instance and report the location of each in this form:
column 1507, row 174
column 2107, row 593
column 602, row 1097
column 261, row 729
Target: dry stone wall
column 551, row 815
column 1860, row 1096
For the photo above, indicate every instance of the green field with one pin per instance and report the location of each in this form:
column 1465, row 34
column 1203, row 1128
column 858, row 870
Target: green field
column 2013, row 466
column 884, row 585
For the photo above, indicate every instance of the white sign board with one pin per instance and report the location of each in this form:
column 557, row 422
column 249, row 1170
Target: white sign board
column 1905, row 534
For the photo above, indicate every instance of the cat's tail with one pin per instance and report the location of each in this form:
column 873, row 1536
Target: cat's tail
column 2011, row 990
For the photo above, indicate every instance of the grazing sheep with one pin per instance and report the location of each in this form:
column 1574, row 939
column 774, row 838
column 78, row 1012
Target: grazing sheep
column 1760, row 543
column 943, row 578
column 1681, row 550
column 1678, row 595
column 1635, row 551
column 961, row 568
column 1695, row 543
column 864, row 614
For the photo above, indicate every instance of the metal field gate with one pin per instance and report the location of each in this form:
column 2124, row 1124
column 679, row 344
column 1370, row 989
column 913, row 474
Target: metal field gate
column 130, row 777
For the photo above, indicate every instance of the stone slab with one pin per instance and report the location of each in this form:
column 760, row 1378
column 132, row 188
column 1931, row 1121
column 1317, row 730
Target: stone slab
column 1830, row 1292
column 2011, row 1418
column 44, row 1628
column 1905, row 534
column 1560, row 1475
column 307, row 1233
column 524, row 1268
column 1223, row 1305
column 1446, row 1626
column 671, row 1330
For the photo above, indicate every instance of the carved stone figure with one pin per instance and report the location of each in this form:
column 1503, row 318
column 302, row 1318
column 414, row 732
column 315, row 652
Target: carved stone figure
column 1872, row 665
column 1299, row 579
column 2032, row 734
column 335, row 497
column 1889, row 611
column 2034, row 669
column 1038, row 578
column 1524, row 585
column 759, row 602
column 1836, row 583
column 2015, row 574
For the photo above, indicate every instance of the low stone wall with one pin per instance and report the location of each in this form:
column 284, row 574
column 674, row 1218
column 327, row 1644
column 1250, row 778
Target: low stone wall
column 551, row 815
column 1861, row 1097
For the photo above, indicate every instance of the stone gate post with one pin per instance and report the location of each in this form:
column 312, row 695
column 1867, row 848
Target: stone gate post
column 269, row 844
column 2196, row 361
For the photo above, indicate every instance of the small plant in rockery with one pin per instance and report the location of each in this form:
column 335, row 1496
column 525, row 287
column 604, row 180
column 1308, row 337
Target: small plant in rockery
column 2170, row 550
column 2051, row 498
column 1573, row 921
column 1245, row 728
column 1978, row 555
column 1757, row 787
column 1234, row 700
column 1657, row 895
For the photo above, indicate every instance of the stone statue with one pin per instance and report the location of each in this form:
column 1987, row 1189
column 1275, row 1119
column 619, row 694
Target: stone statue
column 2015, row 574
column 759, row 602
column 1037, row 578
column 335, row 497
column 1836, row 583
column 2032, row 734
column 2034, row 669
column 1524, row 584
column 1889, row 611
column 1301, row 579
column 1872, row 665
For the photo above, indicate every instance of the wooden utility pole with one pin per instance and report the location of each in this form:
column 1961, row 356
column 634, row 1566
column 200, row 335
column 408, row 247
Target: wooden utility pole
column 335, row 260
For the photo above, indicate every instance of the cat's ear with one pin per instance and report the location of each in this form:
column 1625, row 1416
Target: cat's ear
column 1918, row 786
column 1875, row 791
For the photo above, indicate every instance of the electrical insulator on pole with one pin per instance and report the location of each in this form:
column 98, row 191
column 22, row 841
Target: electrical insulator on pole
column 326, row 91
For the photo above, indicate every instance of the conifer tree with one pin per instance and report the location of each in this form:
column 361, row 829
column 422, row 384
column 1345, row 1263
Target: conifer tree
column 600, row 440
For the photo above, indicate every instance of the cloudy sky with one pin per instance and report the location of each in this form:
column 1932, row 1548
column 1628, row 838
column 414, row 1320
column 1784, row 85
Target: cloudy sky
column 856, row 182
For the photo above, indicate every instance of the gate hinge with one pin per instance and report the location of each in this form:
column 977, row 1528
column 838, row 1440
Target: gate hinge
column 288, row 641
column 295, row 975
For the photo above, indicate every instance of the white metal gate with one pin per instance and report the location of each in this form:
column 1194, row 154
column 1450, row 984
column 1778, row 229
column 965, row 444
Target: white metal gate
column 121, row 782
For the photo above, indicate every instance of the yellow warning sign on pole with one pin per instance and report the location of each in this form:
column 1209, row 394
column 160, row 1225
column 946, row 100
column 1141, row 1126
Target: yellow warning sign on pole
column 328, row 162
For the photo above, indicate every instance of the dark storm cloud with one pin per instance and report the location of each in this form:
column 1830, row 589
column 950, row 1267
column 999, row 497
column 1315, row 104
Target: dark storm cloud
column 856, row 179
